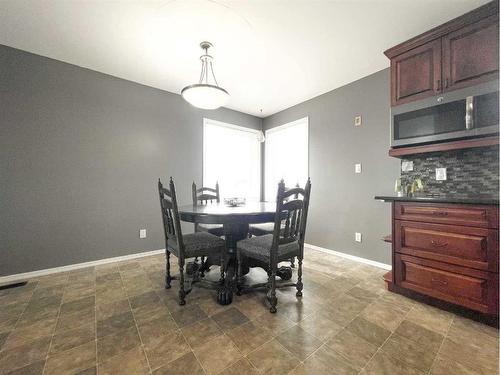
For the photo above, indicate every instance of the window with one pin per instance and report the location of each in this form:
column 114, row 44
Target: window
column 287, row 156
column 231, row 156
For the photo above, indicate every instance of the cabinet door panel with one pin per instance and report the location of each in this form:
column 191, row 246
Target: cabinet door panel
column 470, row 55
column 416, row 74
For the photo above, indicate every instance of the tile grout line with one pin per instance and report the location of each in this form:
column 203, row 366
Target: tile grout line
column 19, row 317
column 298, row 324
column 379, row 296
column 245, row 356
column 143, row 347
column 356, row 316
column 17, row 322
column 271, row 339
column 187, row 342
column 192, row 351
column 379, row 349
column 183, row 336
column 55, row 327
column 227, row 337
column 182, row 333
column 442, row 343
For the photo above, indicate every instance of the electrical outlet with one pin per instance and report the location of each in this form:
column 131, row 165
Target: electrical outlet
column 357, row 120
column 440, row 174
column 357, row 168
column 406, row 166
column 142, row 233
column 357, row 237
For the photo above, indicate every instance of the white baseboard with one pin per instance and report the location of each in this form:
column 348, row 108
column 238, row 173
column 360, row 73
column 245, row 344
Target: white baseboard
column 71, row 267
column 351, row 257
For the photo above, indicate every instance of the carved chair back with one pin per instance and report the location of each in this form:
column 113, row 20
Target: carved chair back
column 204, row 195
column 170, row 217
column 292, row 206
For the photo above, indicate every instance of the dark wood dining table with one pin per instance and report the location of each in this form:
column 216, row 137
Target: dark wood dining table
column 235, row 222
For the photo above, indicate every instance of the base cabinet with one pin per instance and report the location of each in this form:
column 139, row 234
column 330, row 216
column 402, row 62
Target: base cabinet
column 448, row 252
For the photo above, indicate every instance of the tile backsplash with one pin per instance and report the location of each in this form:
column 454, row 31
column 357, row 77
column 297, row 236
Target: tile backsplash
column 470, row 172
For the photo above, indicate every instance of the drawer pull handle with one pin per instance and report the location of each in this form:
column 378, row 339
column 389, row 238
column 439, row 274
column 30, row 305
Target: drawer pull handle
column 438, row 244
column 440, row 213
column 437, row 281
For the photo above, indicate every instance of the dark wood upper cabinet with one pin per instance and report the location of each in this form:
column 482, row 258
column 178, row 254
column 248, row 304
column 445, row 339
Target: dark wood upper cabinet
column 416, row 74
column 460, row 53
column 470, row 55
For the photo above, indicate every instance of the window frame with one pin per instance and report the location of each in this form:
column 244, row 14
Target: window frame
column 278, row 128
column 256, row 132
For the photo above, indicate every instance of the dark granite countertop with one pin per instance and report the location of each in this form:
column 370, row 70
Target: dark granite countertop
column 441, row 199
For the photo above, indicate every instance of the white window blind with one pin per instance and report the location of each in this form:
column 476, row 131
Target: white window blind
column 287, row 156
column 231, row 156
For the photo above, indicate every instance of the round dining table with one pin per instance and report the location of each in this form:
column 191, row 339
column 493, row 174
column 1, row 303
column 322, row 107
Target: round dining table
column 235, row 221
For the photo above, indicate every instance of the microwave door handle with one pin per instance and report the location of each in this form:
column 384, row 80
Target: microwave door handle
column 469, row 113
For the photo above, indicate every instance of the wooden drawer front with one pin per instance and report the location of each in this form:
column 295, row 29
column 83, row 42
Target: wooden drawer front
column 467, row 215
column 475, row 290
column 464, row 246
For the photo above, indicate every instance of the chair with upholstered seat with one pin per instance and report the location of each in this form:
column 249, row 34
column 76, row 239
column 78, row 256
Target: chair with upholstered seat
column 267, row 228
column 286, row 241
column 204, row 195
column 200, row 244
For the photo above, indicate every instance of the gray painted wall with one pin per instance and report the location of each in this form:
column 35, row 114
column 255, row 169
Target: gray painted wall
column 81, row 151
column 80, row 156
column 341, row 201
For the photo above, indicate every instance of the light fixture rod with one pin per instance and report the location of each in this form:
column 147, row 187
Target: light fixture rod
column 213, row 75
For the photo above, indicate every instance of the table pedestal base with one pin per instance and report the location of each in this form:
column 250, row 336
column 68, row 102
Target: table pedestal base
column 233, row 232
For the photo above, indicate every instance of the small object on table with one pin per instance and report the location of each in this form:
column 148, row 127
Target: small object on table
column 234, row 202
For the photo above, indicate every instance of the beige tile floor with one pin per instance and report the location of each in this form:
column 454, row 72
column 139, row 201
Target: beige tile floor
column 118, row 319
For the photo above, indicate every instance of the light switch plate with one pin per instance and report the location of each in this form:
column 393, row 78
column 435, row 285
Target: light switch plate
column 440, row 174
column 357, row 237
column 357, row 120
column 357, row 168
column 406, row 166
column 142, row 233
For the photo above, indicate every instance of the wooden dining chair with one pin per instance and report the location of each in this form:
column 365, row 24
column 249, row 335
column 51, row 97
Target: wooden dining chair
column 268, row 228
column 268, row 250
column 200, row 244
column 204, row 195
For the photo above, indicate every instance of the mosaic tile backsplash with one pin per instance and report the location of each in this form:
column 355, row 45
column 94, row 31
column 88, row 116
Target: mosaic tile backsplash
column 472, row 172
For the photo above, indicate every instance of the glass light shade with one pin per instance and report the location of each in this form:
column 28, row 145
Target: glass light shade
column 205, row 96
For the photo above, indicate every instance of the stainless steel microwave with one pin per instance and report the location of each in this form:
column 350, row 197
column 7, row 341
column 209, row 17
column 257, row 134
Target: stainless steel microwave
column 470, row 112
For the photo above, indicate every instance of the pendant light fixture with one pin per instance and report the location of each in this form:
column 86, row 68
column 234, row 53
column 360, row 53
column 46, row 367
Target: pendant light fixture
column 204, row 94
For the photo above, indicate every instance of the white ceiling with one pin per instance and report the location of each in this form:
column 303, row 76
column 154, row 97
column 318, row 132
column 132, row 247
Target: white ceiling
column 269, row 54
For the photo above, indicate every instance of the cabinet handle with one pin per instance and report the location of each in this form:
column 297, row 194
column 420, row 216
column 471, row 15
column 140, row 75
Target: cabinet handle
column 440, row 213
column 438, row 85
column 446, row 83
column 469, row 112
column 437, row 281
column 438, row 244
